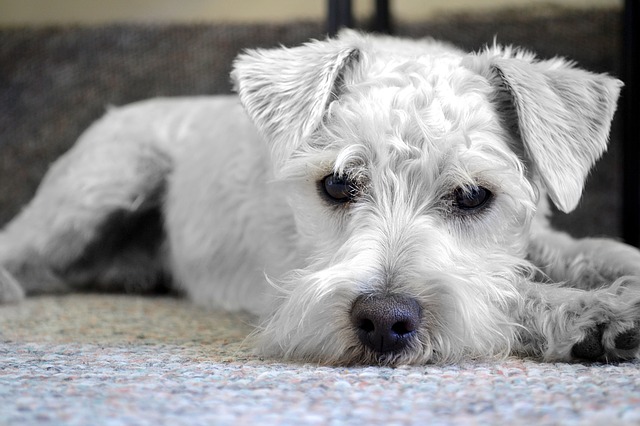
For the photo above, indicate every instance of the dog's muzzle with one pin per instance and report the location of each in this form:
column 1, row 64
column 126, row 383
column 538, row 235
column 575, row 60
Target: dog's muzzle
column 386, row 324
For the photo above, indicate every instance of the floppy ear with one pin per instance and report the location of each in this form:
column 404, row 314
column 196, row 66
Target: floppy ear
column 286, row 91
column 563, row 117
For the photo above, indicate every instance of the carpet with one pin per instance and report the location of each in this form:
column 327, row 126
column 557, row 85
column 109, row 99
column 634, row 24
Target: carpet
column 128, row 360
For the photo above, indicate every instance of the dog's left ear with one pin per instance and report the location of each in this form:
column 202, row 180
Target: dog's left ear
column 286, row 91
column 563, row 116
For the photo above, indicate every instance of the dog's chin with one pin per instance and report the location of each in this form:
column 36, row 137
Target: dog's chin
column 341, row 347
column 354, row 354
column 408, row 356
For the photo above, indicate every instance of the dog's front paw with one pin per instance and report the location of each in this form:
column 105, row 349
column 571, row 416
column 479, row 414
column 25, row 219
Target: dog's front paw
column 624, row 345
column 600, row 327
column 10, row 290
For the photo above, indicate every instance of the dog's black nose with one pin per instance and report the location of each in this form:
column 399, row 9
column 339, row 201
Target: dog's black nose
column 386, row 323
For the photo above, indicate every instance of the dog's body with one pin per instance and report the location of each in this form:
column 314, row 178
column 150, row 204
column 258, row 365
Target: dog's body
column 380, row 201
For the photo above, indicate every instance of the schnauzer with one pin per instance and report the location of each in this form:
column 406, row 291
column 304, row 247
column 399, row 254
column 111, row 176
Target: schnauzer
column 373, row 199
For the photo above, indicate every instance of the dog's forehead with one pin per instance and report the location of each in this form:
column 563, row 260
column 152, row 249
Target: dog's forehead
column 425, row 104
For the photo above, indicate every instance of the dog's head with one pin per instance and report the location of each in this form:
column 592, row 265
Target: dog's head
column 414, row 171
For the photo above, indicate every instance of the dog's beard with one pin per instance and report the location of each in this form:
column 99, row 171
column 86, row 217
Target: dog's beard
column 462, row 317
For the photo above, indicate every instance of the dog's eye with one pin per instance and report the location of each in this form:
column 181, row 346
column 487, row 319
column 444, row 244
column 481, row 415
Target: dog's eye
column 471, row 199
column 338, row 189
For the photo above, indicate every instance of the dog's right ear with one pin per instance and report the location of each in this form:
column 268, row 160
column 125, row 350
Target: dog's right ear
column 286, row 91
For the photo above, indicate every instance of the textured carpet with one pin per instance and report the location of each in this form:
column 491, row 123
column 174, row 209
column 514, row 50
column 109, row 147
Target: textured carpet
column 95, row 359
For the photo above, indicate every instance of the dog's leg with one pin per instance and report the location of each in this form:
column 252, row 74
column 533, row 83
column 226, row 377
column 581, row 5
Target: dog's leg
column 593, row 313
column 567, row 324
column 112, row 172
column 587, row 263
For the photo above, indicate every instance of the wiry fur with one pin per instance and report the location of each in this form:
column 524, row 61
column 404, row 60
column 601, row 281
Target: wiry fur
column 410, row 124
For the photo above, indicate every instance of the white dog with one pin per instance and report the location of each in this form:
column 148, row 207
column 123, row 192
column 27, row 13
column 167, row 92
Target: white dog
column 376, row 200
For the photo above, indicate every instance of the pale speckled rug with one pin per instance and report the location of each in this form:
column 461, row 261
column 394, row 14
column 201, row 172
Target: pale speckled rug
column 116, row 360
